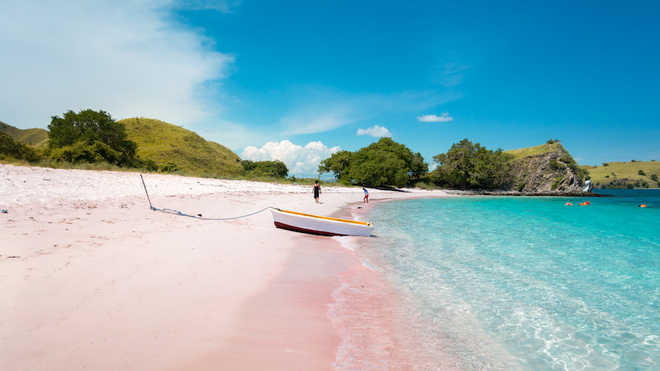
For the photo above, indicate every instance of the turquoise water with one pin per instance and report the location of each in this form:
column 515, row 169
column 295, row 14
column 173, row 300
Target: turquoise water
column 528, row 283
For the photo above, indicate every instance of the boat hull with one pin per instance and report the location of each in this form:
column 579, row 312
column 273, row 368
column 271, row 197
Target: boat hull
column 319, row 225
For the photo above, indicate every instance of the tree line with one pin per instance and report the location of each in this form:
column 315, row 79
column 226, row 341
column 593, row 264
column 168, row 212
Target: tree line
column 466, row 165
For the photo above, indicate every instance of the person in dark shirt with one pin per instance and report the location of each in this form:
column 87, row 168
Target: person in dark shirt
column 317, row 191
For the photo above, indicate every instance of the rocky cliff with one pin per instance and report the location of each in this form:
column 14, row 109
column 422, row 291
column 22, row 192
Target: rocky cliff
column 546, row 169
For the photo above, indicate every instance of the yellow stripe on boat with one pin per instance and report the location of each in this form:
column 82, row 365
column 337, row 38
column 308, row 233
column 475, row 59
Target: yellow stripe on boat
column 324, row 217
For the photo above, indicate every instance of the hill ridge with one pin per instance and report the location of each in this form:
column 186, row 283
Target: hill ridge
column 178, row 149
column 34, row 137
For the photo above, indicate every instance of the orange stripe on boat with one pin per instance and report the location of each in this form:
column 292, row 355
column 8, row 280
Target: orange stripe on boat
column 323, row 217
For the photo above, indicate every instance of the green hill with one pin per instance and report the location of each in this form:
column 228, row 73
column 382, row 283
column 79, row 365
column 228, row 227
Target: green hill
column 33, row 137
column 637, row 174
column 175, row 148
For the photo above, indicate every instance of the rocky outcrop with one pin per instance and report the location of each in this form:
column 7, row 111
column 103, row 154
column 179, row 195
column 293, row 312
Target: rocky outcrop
column 554, row 171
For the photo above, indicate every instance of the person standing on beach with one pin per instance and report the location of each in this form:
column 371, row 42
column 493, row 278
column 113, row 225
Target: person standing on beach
column 366, row 196
column 317, row 191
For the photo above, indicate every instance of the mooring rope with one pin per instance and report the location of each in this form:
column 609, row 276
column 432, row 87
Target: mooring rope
column 198, row 216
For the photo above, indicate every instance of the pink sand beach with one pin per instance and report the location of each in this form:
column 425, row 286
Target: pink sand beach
column 93, row 279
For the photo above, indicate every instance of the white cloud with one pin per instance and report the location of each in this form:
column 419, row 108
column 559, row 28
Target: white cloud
column 301, row 160
column 376, row 131
column 129, row 58
column 435, row 118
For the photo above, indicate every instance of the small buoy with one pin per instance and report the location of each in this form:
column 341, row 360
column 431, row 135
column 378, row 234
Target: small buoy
column 585, row 203
column 568, row 204
column 642, row 205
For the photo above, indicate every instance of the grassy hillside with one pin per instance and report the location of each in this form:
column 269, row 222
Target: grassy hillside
column 626, row 174
column 536, row 150
column 33, row 137
column 181, row 150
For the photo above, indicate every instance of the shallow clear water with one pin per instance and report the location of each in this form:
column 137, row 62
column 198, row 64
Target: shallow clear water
column 528, row 283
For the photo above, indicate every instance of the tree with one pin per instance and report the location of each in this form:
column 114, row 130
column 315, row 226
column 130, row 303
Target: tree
column 90, row 136
column 382, row 163
column 378, row 168
column 471, row 166
column 275, row 169
column 338, row 164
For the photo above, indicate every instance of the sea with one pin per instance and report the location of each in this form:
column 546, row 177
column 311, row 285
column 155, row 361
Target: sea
column 527, row 282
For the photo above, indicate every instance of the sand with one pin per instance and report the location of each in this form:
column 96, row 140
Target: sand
column 92, row 279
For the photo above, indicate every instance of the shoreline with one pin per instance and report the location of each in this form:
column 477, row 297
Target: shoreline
column 377, row 332
column 94, row 279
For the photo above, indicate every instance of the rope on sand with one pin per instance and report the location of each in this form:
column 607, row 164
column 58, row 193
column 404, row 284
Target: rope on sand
column 198, row 216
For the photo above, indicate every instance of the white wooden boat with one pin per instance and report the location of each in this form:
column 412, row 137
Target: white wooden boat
column 322, row 225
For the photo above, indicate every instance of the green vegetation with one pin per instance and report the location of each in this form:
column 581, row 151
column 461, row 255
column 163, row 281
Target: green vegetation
column 31, row 137
column 170, row 148
column 11, row 149
column 93, row 140
column 635, row 174
column 552, row 145
column 382, row 163
column 275, row 169
column 90, row 136
column 471, row 166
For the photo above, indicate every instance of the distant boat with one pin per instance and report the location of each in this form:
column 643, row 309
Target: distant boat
column 321, row 225
column 588, row 186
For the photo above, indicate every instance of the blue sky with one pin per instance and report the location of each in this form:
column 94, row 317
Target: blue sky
column 509, row 74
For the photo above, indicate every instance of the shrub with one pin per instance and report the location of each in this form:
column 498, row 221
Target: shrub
column 10, row 148
column 606, row 164
column 170, row 167
column 641, row 172
column 276, row 169
column 556, row 165
column 150, row 165
column 654, row 177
